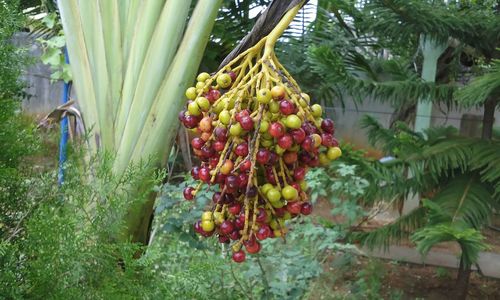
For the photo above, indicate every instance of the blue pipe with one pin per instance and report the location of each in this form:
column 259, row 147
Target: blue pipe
column 63, row 143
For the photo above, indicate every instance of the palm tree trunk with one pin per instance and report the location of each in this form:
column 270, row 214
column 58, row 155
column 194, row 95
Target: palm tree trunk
column 488, row 118
column 462, row 285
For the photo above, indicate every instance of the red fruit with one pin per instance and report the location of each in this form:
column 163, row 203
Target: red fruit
column 220, row 134
column 182, row 115
column 241, row 149
column 226, row 227
column 206, row 124
column 279, row 212
column 239, row 223
column 204, row 174
column 197, row 227
column 286, row 141
column 299, row 173
column 213, row 95
column 327, row 140
column 239, row 256
column 263, row 233
column 290, row 157
column 314, row 162
column 223, row 239
column 235, row 235
column 246, row 165
column 308, row 144
column 306, row 208
column 197, row 143
column 263, row 156
column 294, row 207
column 276, row 130
column 273, row 159
column 246, row 123
column 216, row 197
column 296, row 186
column 287, row 107
column 231, row 182
column 195, row 172
column 241, row 114
column 207, row 151
column 309, row 128
column 242, row 180
column 190, row 121
column 298, row 135
column 234, row 208
column 188, row 193
column 251, row 192
column 219, row 146
column 328, row 126
column 232, row 75
column 335, row 142
column 261, row 215
column 220, row 178
column 254, row 248
column 212, row 162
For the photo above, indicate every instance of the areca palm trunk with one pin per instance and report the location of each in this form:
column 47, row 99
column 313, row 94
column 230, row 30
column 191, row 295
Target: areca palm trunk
column 131, row 62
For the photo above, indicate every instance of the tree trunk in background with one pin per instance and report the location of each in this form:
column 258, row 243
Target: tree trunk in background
column 488, row 118
column 462, row 286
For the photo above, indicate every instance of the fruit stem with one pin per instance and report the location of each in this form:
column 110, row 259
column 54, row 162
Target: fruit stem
column 280, row 28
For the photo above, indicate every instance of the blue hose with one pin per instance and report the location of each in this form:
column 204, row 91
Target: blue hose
column 63, row 143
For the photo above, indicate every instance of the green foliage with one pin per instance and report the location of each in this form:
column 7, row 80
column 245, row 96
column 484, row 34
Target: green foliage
column 481, row 88
column 470, row 240
column 65, row 246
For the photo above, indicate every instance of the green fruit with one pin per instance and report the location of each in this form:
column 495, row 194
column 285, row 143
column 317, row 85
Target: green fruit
column 236, row 129
column 277, row 204
column 293, row 122
column 323, row 159
column 264, row 96
column 206, row 216
column 333, row 153
column 289, row 192
column 303, row 103
column 265, row 188
column 316, row 110
column 305, row 97
column 194, row 109
column 231, row 103
column 279, row 150
column 266, row 143
column 273, row 195
column 224, row 80
column 202, row 77
column 264, row 126
column 219, row 107
column 201, row 86
column 303, row 185
column 203, row 103
column 207, row 226
column 274, row 107
column 191, row 93
column 287, row 216
column 225, row 117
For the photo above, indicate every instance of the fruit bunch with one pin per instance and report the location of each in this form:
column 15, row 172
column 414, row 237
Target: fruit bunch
column 257, row 134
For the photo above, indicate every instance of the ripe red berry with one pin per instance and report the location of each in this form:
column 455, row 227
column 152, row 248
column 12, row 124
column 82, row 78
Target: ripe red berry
column 234, row 208
column 239, row 256
column 276, row 130
column 213, row 95
column 204, row 174
column 286, row 141
column 195, row 172
column 306, row 208
column 308, row 144
column 264, row 232
column 219, row 146
column 246, row 123
column 287, row 107
column 263, row 156
column 197, row 143
column 290, row 157
column 327, row 140
column 190, row 121
column 328, row 126
column 299, row 173
column 245, row 165
column 223, row 239
column 261, row 215
column 241, row 149
column 235, row 235
column 253, row 248
column 188, row 193
column 220, row 134
column 298, row 135
column 294, row 207
column 242, row 180
column 226, row 227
